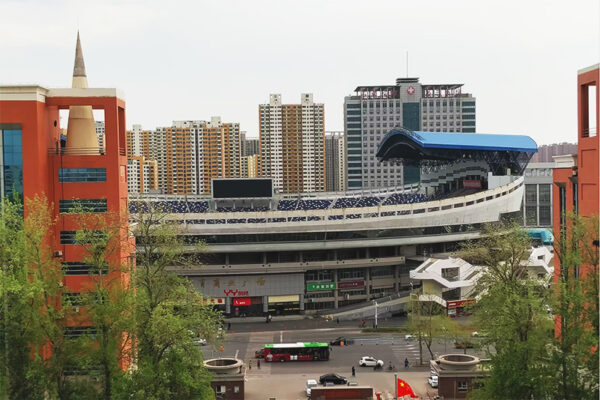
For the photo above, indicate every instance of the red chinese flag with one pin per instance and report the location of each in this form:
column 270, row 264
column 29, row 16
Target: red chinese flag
column 405, row 389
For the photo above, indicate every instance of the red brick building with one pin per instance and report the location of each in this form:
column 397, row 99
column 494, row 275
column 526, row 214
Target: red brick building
column 576, row 176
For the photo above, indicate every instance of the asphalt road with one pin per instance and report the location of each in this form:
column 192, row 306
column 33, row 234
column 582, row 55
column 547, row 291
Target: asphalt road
column 244, row 339
column 317, row 323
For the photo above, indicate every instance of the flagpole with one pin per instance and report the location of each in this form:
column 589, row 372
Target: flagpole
column 396, row 386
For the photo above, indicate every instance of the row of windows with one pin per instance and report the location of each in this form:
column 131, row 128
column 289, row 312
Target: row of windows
column 80, row 268
column 70, row 237
column 83, row 205
column 82, row 175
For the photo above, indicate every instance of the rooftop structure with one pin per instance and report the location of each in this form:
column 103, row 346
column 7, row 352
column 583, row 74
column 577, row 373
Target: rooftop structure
column 500, row 152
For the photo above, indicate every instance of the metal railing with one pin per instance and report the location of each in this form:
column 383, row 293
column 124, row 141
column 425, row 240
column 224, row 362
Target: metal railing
column 82, row 151
column 77, row 151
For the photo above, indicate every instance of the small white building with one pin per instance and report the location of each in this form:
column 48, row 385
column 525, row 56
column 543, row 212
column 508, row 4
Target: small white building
column 451, row 278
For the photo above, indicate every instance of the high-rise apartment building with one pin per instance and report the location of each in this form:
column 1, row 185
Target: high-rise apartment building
column 250, row 149
column 373, row 111
column 292, row 144
column 189, row 154
column 546, row 152
column 335, row 162
column 250, row 146
column 219, row 152
column 142, row 175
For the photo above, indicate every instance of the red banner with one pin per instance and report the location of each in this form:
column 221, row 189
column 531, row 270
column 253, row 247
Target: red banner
column 351, row 284
column 242, row 301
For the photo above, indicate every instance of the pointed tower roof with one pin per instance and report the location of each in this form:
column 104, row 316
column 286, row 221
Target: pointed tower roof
column 79, row 68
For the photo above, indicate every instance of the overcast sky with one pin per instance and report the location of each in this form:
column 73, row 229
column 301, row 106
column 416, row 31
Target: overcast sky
column 192, row 60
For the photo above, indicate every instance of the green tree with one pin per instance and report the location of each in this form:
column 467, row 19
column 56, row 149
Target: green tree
column 35, row 354
column 512, row 315
column 108, row 301
column 426, row 322
column 575, row 351
column 169, row 314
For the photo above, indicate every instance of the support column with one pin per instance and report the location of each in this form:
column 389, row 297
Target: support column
column 396, row 278
column 265, row 304
column 301, row 303
column 336, row 302
column 228, row 305
column 368, row 282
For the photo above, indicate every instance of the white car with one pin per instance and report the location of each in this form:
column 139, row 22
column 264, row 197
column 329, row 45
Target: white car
column 200, row 341
column 310, row 383
column 370, row 362
column 408, row 337
column 433, row 381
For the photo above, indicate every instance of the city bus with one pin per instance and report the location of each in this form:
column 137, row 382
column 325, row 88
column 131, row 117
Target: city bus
column 301, row 351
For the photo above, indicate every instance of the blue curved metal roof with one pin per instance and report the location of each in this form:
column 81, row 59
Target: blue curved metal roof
column 471, row 141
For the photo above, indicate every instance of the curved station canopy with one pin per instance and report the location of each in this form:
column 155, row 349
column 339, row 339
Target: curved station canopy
column 438, row 148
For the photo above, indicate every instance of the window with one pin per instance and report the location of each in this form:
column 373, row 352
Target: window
column 11, row 157
column 73, row 332
column 82, row 175
column 462, row 386
column 85, row 205
column 72, row 299
column 531, row 194
column 545, row 195
column 236, row 389
column 221, row 389
column 531, row 215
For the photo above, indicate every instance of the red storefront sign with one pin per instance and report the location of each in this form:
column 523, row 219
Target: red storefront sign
column 351, row 285
column 471, row 184
column 242, row 301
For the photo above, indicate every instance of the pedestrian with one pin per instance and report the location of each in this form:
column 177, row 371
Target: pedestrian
column 258, row 363
column 337, row 320
column 229, row 326
column 249, row 365
column 353, row 371
column 406, row 363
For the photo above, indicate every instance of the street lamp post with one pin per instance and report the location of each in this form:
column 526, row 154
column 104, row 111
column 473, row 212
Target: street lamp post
column 375, row 302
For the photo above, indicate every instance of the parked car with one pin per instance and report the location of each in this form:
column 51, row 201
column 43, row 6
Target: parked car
column 433, row 381
column 333, row 379
column 310, row 383
column 260, row 353
column 408, row 337
column 200, row 341
column 368, row 361
column 338, row 341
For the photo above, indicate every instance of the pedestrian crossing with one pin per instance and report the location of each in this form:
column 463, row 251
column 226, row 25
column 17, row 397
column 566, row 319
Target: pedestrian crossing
column 256, row 341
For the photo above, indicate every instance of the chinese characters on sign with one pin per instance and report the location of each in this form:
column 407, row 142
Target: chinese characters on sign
column 313, row 287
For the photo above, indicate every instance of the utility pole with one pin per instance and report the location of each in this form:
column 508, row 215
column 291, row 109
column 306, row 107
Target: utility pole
column 396, row 386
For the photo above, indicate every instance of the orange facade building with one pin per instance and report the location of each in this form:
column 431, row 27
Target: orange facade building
column 35, row 162
column 576, row 177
